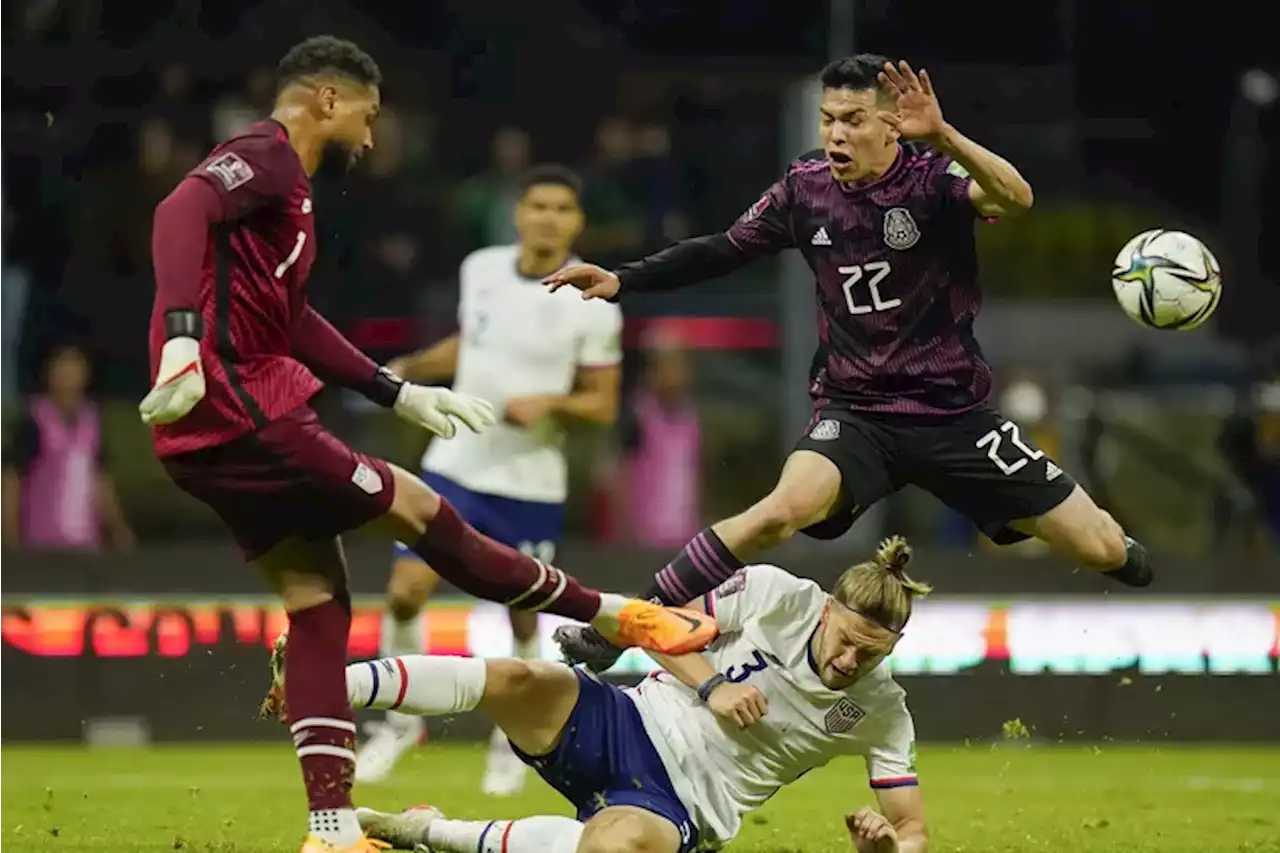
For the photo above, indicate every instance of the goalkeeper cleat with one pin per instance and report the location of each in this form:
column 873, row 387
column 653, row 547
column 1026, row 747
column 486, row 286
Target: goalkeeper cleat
column 314, row 844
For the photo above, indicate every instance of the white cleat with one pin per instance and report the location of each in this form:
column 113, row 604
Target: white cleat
column 406, row 830
column 504, row 772
column 387, row 742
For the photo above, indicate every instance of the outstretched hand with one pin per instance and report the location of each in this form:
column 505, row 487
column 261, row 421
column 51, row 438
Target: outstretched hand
column 594, row 282
column 918, row 114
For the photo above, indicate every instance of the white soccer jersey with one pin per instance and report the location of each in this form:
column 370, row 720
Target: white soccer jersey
column 767, row 617
column 517, row 340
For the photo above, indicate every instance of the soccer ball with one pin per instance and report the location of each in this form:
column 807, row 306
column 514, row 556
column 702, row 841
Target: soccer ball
column 1167, row 280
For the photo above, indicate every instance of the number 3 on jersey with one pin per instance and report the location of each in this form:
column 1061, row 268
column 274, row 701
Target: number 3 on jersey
column 872, row 273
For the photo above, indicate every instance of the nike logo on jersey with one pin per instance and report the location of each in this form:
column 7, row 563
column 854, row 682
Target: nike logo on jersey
column 820, row 238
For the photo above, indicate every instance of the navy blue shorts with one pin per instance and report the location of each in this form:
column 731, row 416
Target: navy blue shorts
column 533, row 527
column 604, row 758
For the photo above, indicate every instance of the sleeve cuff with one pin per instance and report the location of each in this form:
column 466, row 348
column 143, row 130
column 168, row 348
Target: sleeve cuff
column 895, row 782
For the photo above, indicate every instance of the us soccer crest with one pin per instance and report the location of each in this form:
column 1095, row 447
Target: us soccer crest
column 825, row 430
column 843, row 716
column 900, row 230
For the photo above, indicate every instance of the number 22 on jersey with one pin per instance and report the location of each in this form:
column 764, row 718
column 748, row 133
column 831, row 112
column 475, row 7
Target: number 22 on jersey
column 866, row 278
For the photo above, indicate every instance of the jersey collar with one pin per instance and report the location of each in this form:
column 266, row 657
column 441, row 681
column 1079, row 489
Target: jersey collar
column 858, row 189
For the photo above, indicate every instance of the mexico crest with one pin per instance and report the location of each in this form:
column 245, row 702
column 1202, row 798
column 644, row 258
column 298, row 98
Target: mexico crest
column 900, row 230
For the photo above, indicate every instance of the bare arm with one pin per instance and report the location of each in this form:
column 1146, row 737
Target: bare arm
column 595, row 396
column 112, row 513
column 692, row 670
column 998, row 189
column 904, row 808
column 436, row 363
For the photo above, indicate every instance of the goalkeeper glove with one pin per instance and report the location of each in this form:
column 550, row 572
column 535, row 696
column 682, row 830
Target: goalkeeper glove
column 180, row 380
column 434, row 409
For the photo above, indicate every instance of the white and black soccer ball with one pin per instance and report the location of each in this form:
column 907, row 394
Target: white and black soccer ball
column 1167, row 280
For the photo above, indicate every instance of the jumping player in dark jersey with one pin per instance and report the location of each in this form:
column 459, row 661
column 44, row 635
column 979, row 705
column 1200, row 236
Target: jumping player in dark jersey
column 884, row 215
column 233, row 348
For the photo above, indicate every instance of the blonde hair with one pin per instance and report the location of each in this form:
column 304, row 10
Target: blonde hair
column 880, row 588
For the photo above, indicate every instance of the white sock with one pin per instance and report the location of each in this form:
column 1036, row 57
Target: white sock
column 541, row 834
column 401, row 638
column 611, row 605
column 337, row 826
column 422, row 685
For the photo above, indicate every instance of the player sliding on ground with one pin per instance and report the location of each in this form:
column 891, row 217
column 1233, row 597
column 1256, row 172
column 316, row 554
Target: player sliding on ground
column 235, row 350
column 675, row 763
column 541, row 360
column 884, row 215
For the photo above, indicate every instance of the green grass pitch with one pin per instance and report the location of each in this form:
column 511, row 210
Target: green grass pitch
column 242, row 798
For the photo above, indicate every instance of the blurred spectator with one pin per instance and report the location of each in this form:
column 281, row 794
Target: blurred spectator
column 1250, row 441
column 658, row 181
column 615, row 215
column 662, row 440
column 484, row 202
column 15, row 286
column 57, row 494
column 174, row 99
column 243, row 107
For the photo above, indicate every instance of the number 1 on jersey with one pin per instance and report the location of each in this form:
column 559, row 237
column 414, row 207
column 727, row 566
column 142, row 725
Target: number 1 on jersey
column 874, row 272
column 284, row 265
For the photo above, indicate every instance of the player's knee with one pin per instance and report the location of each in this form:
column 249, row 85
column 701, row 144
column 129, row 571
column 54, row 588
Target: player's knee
column 409, row 588
column 511, row 678
column 1100, row 542
column 414, row 505
column 777, row 518
column 623, row 834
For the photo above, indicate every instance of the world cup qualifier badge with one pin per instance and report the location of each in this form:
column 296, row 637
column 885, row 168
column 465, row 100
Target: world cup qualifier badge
column 825, row 430
column 735, row 583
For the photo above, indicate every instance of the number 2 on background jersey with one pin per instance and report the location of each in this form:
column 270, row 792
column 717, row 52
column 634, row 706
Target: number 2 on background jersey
column 478, row 328
column 873, row 273
column 991, row 443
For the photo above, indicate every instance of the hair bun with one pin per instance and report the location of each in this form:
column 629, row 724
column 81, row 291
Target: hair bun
column 893, row 555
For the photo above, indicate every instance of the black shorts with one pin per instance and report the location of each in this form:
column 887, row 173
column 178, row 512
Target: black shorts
column 978, row 463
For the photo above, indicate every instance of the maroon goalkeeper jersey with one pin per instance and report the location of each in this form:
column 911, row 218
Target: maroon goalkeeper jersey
column 259, row 246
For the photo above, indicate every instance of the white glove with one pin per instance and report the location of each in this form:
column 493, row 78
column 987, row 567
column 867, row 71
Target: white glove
column 179, row 383
column 439, row 409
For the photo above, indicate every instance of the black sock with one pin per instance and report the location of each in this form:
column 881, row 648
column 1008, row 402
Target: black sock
column 700, row 567
column 1136, row 570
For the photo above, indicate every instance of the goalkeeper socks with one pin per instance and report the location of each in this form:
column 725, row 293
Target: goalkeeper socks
column 1136, row 570
column 423, row 685
column 701, row 566
column 479, row 566
column 541, row 834
column 320, row 719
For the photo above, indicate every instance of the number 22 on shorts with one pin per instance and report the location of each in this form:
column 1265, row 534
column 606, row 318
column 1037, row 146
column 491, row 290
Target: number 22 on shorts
column 991, row 443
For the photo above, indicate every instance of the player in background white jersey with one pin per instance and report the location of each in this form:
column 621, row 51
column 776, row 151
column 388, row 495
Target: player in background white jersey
column 537, row 360
column 674, row 764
